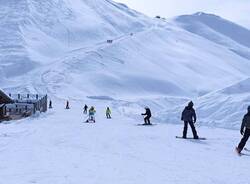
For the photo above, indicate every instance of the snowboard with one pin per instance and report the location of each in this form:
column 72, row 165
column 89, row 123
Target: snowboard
column 146, row 124
column 90, row 122
column 200, row 138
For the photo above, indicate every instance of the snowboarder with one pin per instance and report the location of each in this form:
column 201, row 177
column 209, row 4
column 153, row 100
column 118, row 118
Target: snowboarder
column 108, row 113
column 85, row 109
column 50, row 104
column 189, row 117
column 67, row 104
column 147, row 117
column 92, row 112
column 245, row 131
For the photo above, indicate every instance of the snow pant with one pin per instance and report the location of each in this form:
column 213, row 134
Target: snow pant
column 147, row 120
column 244, row 139
column 108, row 116
column 186, row 128
column 85, row 111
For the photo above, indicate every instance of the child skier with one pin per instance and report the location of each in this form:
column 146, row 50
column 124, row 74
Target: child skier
column 189, row 117
column 245, row 131
column 108, row 113
column 147, row 117
column 92, row 112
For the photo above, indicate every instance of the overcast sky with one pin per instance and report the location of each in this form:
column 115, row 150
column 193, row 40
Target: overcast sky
column 237, row 11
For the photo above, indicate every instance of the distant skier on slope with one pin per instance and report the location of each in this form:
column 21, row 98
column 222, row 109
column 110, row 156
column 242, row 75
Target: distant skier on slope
column 67, row 105
column 147, row 117
column 92, row 112
column 50, row 104
column 85, row 109
column 189, row 117
column 245, row 131
column 108, row 113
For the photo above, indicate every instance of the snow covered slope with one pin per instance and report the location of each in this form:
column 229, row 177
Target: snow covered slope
column 58, row 148
column 60, row 47
column 36, row 32
column 218, row 30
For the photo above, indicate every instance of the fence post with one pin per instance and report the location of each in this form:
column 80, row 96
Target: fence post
column 18, row 96
column 28, row 95
column 46, row 103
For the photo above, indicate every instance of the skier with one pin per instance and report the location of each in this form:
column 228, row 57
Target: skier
column 67, row 104
column 147, row 117
column 189, row 117
column 50, row 104
column 108, row 113
column 245, row 131
column 85, row 111
column 92, row 112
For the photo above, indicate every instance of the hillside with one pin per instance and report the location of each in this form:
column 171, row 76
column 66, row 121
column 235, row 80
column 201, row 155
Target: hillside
column 104, row 54
column 60, row 48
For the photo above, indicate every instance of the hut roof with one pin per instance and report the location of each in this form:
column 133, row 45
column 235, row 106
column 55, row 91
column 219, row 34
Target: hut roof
column 4, row 99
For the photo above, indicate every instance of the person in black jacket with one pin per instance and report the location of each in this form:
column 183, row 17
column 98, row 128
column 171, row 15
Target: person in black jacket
column 85, row 109
column 189, row 117
column 245, row 131
column 147, row 117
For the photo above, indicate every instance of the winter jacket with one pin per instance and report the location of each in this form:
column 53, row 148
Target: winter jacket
column 147, row 113
column 92, row 112
column 108, row 111
column 188, row 114
column 246, row 121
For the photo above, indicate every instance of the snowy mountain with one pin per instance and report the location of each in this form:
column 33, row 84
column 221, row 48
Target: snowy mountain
column 218, row 30
column 60, row 47
column 37, row 32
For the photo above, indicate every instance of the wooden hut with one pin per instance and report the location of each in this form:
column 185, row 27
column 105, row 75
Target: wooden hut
column 4, row 99
column 17, row 106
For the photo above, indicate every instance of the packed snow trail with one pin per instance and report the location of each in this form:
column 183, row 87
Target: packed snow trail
column 59, row 148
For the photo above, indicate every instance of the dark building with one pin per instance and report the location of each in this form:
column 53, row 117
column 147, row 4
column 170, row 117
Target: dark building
column 17, row 106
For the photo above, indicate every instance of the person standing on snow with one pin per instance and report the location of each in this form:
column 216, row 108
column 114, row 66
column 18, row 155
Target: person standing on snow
column 245, row 131
column 67, row 104
column 85, row 109
column 92, row 112
column 108, row 113
column 147, row 117
column 189, row 117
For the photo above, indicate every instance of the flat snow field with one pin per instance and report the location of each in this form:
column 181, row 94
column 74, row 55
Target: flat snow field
column 58, row 148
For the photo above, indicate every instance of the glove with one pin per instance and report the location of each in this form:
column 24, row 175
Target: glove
column 242, row 132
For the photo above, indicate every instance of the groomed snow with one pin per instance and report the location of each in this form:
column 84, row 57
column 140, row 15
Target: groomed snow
column 60, row 48
column 59, row 148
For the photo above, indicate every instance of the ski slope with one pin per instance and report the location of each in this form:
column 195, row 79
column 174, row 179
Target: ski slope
column 59, row 47
column 59, row 148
